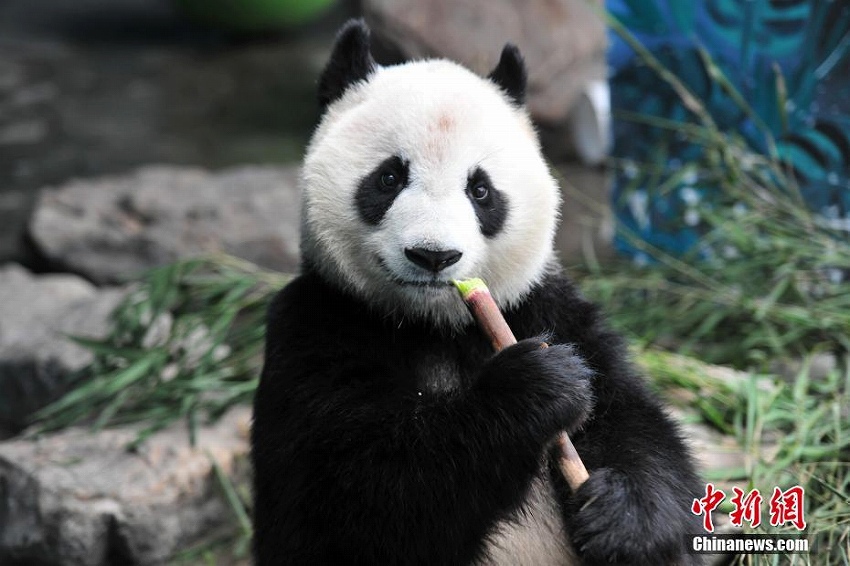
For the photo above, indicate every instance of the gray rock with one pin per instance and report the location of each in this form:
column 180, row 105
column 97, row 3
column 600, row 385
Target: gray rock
column 23, row 132
column 563, row 41
column 37, row 313
column 81, row 498
column 818, row 366
column 111, row 228
column 713, row 451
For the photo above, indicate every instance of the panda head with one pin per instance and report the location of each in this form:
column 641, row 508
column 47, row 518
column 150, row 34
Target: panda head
column 422, row 173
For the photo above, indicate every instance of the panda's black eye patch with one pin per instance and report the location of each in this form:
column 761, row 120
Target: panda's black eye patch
column 377, row 190
column 490, row 205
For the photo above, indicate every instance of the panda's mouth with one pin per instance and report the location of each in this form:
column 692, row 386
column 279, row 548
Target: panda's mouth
column 433, row 283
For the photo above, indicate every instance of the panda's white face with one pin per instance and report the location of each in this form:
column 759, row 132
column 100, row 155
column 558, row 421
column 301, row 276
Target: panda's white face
column 424, row 173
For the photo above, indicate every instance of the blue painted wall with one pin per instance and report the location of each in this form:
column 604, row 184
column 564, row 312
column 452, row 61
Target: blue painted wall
column 752, row 41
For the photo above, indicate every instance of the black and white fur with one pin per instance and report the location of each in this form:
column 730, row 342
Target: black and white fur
column 385, row 429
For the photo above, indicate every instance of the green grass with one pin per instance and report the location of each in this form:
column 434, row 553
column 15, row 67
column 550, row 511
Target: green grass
column 185, row 343
column 809, row 419
column 793, row 432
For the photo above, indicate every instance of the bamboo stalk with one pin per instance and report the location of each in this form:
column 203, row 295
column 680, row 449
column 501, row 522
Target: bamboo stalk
column 480, row 302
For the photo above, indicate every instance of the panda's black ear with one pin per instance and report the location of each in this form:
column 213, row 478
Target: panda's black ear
column 510, row 74
column 351, row 61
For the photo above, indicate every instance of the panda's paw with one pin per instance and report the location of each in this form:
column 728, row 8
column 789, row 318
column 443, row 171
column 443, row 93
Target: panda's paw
column 550, row 382
column 613, row 522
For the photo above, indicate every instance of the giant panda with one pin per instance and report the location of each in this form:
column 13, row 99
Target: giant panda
column 385, row 429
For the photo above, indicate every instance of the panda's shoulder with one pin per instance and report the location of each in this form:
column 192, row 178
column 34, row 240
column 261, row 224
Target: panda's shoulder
column 557, row 306
column 556, row 297
column 309, row 311
column 292, row 303
column 304, row 304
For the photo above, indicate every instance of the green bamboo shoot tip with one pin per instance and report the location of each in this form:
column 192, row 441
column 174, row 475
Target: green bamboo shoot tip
column 468, row 286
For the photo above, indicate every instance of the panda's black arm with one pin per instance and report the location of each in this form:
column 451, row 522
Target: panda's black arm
column 350, row 468
column 642, row 481
column 629, row 431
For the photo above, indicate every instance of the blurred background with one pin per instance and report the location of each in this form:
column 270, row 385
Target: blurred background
column 149, row 155
column 101, row 86
column 97, row 87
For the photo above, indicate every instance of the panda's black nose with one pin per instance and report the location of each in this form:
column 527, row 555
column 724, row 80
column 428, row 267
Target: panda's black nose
column 432, row 260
